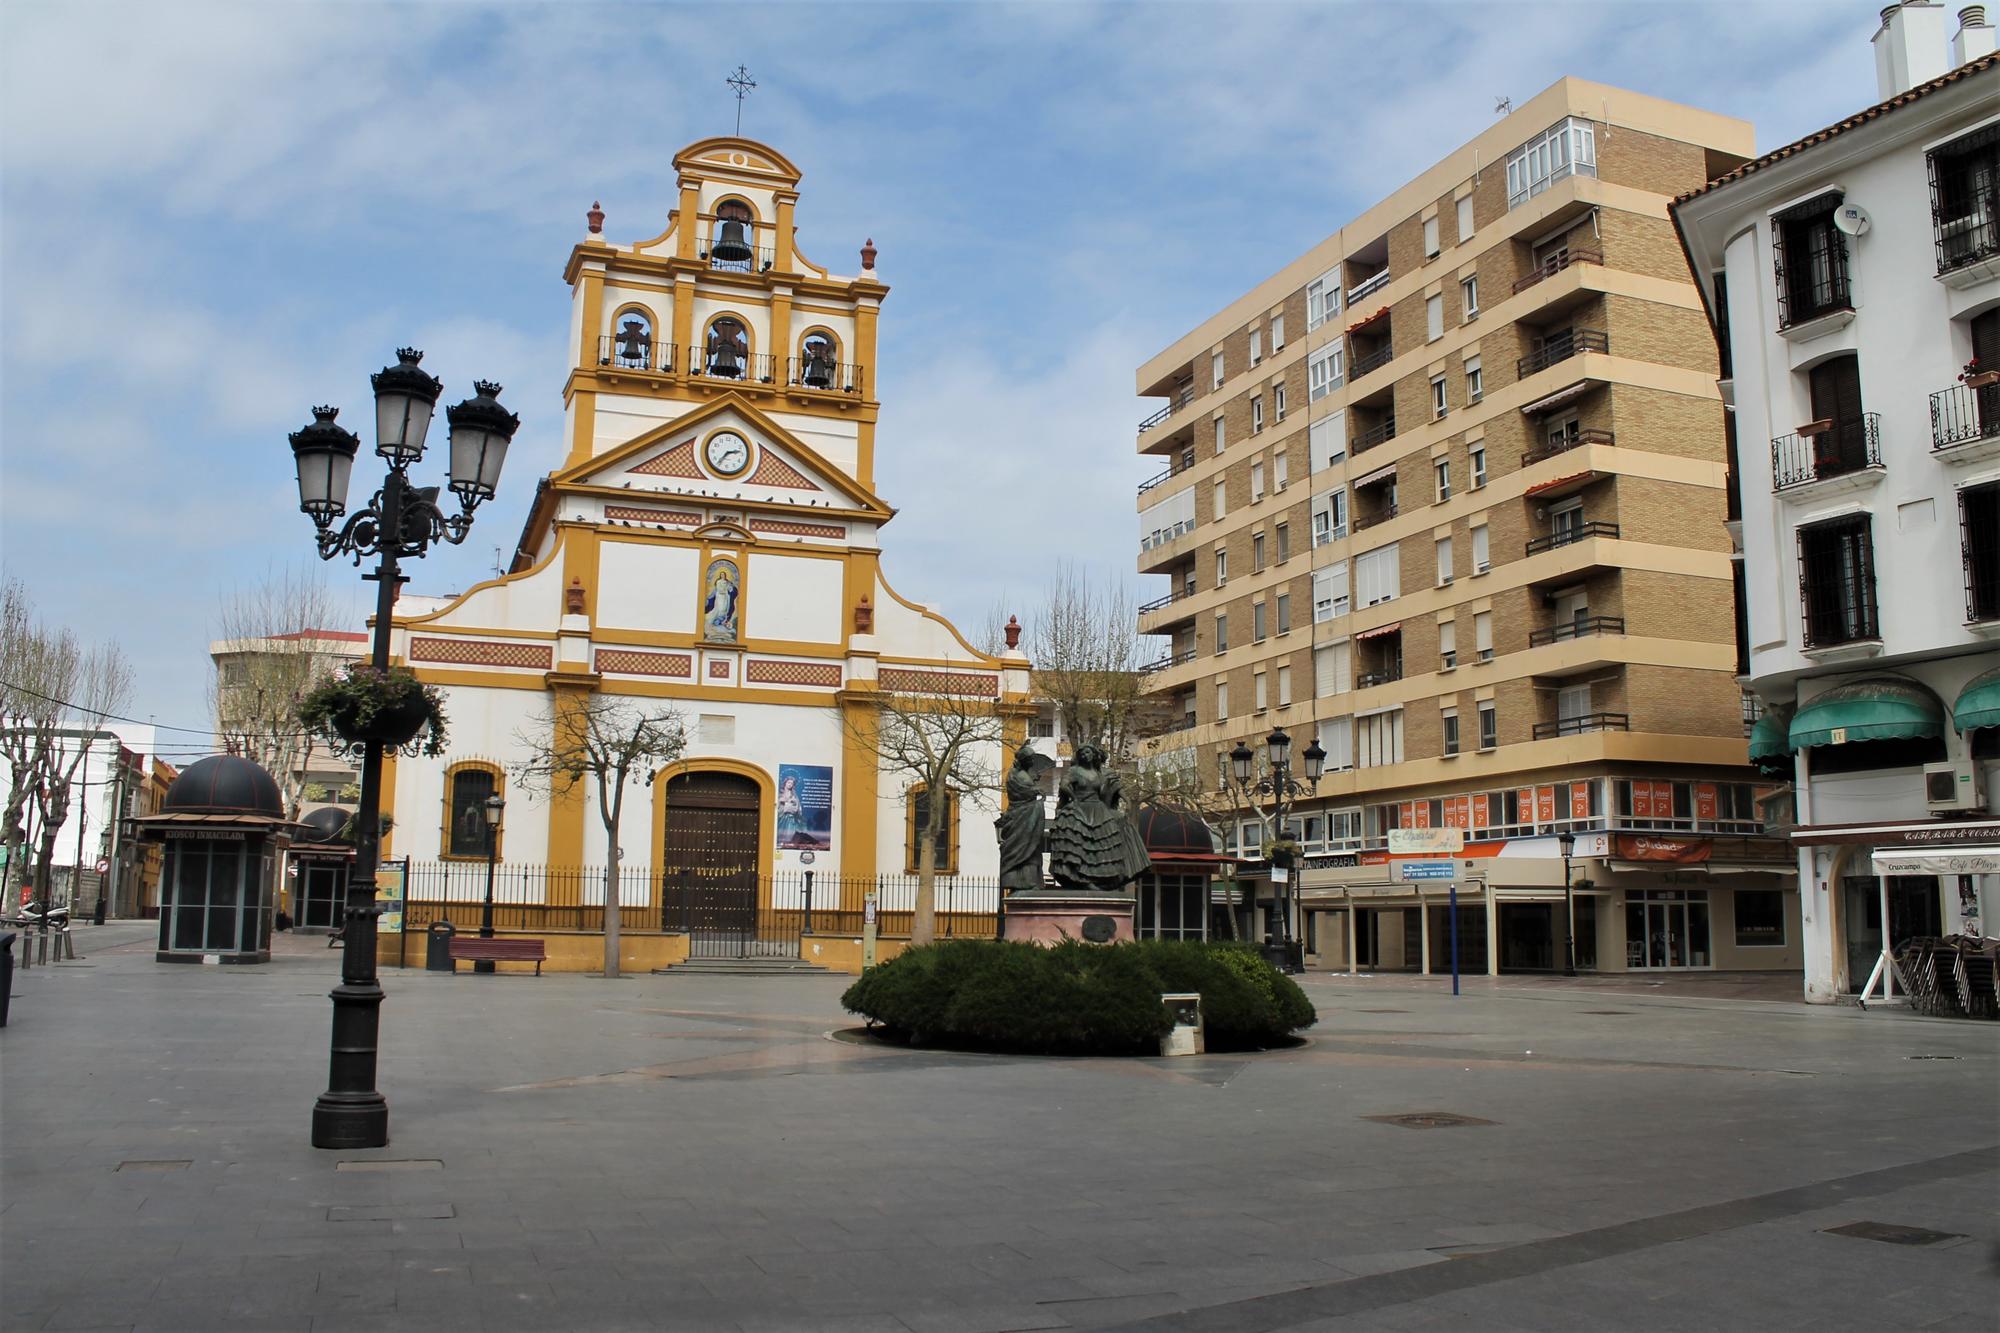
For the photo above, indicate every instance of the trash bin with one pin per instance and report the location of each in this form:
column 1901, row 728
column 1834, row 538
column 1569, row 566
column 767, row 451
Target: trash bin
column 6, row 974
column 437, row 954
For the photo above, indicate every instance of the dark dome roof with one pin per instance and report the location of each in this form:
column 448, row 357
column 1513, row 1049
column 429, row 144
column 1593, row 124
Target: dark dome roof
column 224, row 784
column 325, row 824
column 1169, row 832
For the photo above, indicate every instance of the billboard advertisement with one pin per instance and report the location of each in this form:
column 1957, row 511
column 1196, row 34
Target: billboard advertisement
column 805, row 807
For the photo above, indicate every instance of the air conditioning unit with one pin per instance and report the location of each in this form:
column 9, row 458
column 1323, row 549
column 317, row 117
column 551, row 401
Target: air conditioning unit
column 1952, row 786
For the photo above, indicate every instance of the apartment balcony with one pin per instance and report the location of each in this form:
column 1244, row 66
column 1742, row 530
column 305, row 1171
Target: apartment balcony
column 1163, row 614
column 1582, row 724
column 1965, row 421
column 1158, row 477
column 1182, row 398
column 1382, row 514
column 1560, row 347
column 1572, row 440
column 1374, row 435
column 1828, row 458
column 1374, row 359
column 1158, row 550
column 1168, row 662
column 1383, row 675
column 1569, row 535
column 1577, row 629
column 621, row 353
column 1373, row 283
column 1555, row 264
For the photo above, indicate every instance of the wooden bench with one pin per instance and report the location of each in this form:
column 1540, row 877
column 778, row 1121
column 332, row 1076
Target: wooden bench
column 474, row 949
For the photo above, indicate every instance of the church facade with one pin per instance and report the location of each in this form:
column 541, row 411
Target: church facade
column 710, row 541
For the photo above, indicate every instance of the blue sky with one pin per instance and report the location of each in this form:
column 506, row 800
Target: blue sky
column 214, row 216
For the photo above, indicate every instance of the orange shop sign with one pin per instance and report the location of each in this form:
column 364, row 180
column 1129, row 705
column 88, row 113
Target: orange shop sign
column 1679, row 851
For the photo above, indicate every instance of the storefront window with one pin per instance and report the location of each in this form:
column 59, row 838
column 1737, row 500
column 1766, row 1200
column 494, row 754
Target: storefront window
column 1666, row 928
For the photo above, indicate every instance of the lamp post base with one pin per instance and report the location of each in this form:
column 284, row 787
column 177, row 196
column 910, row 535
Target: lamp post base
column 1285, row 955
column 355, row 1120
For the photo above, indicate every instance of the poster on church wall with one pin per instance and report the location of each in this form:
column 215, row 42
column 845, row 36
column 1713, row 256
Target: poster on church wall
column 805, row 808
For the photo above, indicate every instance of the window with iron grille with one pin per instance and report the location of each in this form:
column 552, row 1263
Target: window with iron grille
column 1837, row 581
column 1979, row 536
column 1810, row 256
column 1965, row 199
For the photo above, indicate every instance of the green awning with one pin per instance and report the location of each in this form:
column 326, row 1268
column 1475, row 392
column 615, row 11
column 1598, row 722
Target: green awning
column 1770, row 747
column 1880, row 708
column 1978, row 703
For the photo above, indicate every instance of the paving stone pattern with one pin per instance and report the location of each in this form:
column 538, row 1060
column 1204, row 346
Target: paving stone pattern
column 674, row 1152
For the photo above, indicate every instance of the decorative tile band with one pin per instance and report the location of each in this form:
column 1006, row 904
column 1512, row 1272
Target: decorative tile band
column 679, row 517
column 902, row 680
column 675, row 462
column 479, row 652
column 775, row 471
column 718, row 669
column 764, row 671
column 627, row 662
column 787, row 528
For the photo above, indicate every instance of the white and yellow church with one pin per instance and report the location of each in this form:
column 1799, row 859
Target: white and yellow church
column 713, row 540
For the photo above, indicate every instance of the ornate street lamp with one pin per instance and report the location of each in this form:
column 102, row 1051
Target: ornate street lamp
column 1567, row 841
column 400, row 522
column 1283, row 791
column 492, row 810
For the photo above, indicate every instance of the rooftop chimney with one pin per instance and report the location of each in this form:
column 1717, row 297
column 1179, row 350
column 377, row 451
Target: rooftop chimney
column 1975, row 36
column 1909, row 46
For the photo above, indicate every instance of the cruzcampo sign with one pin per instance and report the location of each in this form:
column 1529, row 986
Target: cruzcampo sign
column 1426, row 841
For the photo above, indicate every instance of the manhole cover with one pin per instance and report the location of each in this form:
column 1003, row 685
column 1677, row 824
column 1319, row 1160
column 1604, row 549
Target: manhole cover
column 176, row 1165
column 1428, row 1119
column 1891, row 1234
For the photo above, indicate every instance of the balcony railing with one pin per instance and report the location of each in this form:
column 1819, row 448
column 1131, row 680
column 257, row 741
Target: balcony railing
column 1157, row 418
column 1373, row 436
column 1574, row 532
column 807, row 372
column 760, row 259
column 1561, row 347
column 635, row 353
column 1841, row 448
column 1373, row 282
column 758, row 368
column 1383, row 676
column 1366, row 361
column 1576, row 629
column 1555, row 264
column 1363, row 521
column 1962, row 414
column 1176, row 659
column 1158, row 477
column 1583, row 722
column 1567, row 443
column 1160, row 603
column 1166, row 535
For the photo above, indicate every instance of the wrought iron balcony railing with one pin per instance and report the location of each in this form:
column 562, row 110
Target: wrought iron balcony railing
column 1373, row 282
column 1574, row 532
column 1173, row 660
column 808, row 372
column 1561, row 347
column 1157, row 418
column 1576, row 629
column 1364, row 362
column 759, row 260
column 635, row 353
column 1582, row 723
column 1567, row 443
column 1373, row 436
column 1555, row 264
column 758, row 368
column 1382, row 515
column 1838, row 448
column 1962, row 414
column 1154, row 480
column 1380, row 676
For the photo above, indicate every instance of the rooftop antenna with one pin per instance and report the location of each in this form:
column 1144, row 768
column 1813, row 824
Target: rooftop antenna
column 742, row 83
column 1502, row 105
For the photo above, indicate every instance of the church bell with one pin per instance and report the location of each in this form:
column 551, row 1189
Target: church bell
column 632, row 343
column 819, row 367
column 731, row 244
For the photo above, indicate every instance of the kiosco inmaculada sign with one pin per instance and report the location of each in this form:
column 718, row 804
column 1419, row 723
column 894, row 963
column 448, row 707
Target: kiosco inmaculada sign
column 1682, row 851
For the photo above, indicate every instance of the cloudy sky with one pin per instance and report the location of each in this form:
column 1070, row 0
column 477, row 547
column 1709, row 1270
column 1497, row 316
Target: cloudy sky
column 215, row 216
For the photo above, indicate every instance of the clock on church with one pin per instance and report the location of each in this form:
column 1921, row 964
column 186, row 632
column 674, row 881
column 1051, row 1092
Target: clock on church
column 728, row 453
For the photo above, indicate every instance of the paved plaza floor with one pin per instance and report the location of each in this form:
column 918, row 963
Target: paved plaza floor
column 695, row 1152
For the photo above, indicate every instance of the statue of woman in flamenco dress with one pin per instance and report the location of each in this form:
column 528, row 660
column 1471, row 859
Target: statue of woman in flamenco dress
column 1092, row 843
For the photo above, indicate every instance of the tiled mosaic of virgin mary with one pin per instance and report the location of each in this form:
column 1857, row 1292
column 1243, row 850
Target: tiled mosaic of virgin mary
column 721, row 593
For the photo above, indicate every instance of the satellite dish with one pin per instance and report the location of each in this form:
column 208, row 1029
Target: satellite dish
column 1851, row 219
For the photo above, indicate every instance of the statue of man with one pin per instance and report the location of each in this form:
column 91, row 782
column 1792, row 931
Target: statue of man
column 1020, row 826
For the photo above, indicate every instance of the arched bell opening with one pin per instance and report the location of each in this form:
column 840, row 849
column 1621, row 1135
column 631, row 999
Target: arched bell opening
column 631, row 344
column 726, row 350
column 732, row 240
column 819, row 360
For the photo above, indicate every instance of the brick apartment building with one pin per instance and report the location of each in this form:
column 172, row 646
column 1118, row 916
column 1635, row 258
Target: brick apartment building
column 1447, row 491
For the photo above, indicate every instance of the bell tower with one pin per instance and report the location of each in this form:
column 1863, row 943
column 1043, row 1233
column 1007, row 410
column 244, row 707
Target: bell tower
column 723, row 301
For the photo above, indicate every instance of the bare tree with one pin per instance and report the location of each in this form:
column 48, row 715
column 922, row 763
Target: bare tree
column 55, row 696
column 604, row 742
column 944, row 745
column 273, row 653
column 1083, row 639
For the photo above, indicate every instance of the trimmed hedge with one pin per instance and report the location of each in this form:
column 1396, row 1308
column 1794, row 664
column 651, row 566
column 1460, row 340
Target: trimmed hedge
column 1076, row 998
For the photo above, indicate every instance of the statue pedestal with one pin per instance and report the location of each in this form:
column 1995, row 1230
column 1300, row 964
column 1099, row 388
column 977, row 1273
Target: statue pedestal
column 1050, row 916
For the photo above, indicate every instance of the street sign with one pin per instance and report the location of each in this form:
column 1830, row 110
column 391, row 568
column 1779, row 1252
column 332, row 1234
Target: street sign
column 1426, row 841
column 103, row 865
column 1280, row 875
column 1412, row 871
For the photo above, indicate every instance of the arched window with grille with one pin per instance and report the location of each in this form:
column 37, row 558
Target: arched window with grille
column 466, row 788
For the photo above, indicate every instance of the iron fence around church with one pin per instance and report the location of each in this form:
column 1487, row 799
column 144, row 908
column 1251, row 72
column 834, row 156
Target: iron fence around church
column 758, row 914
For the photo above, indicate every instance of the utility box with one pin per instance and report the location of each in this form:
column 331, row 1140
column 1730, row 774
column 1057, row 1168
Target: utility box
column 1189, row 1035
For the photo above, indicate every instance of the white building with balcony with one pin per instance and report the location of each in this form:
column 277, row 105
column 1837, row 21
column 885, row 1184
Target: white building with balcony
column 1854, row 281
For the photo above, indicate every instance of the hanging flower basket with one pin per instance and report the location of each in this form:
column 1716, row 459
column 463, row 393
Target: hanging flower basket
column 391, row 708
